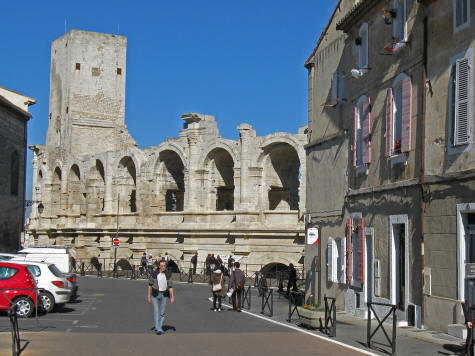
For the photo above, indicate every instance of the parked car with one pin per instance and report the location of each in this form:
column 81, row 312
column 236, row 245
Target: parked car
column 74, row 281
column 17, row 286
column 58, row 255
column 55, row 289
column 7, row 256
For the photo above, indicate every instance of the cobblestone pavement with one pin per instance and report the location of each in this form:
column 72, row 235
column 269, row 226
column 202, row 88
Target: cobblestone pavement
column 113, row 317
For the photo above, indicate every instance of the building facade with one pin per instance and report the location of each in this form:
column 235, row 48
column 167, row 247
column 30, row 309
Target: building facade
column 196, row 192
column 394, row 83
column 14, row 117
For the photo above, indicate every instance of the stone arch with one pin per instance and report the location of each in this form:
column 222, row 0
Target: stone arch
column 169, row 187
column 281, row 176
column 219, row 177
column 56, row 179
column 226, row 145
column 95, row 188
column 75, row 197
column 125, row 185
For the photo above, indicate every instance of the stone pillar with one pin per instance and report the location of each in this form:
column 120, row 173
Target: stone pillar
column 193, row 174
column 246, row 134
column 108, row 198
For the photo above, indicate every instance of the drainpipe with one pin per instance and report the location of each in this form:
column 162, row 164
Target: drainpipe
column 422, row 173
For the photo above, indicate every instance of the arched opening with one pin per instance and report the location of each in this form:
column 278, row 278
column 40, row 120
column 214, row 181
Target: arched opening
column 125, row 186
column 281, row 175
column 75, row 196
column 96, row 189
column 56, row 192
column 173, row 267
column 272, row 270
column 220, row 168
column 170, row 182
column 14, row 173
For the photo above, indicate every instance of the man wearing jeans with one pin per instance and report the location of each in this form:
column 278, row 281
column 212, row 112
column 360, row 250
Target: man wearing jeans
column 158, row 286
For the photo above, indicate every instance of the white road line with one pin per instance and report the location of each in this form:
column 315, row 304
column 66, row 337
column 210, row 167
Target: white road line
column 304, row 331
column 75, row 322
column 69, row 330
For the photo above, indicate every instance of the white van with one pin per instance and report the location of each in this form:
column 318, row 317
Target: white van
column 57, row 255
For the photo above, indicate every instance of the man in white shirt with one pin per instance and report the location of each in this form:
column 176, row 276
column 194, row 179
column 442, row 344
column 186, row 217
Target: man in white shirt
column 159, row 288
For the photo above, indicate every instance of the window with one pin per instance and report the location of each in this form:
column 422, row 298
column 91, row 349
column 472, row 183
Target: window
column 78, row 66
column 14, row 173
column 399, row 23
column 363, row 47
column 355, row 250
column 461, row 100
column 56, row 271
column 461, row 10
column 398, row 116
column 7, row 272
column 35, row 271
column 337, row 88
column 332, row 257
column 399, row 262
column 362, row 132
column 119, row 71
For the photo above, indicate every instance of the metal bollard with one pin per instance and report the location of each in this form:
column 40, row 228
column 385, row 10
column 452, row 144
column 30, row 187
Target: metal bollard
column 190, row 275
column 133, row 275
column 83, row 273
column 99, row 270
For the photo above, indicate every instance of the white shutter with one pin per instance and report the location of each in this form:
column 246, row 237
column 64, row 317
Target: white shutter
column 463, row 101
column 342, row 264
column 330, row 260
column 334, row 262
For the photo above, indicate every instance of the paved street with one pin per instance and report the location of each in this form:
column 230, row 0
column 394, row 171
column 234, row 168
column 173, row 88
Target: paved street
column 112, row 316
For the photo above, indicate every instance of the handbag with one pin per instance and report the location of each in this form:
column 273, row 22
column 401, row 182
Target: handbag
column 217, row 287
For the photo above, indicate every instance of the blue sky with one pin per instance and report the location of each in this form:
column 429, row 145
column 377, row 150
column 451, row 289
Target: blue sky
column 241, row 61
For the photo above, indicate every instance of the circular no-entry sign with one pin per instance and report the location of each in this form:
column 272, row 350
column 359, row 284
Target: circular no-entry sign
column 115, row 241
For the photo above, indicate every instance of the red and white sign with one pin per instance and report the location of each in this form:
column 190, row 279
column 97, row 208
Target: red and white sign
column 312, row 236
column 115, row 242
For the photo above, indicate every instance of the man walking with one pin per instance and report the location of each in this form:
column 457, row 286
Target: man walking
column 194, row 261
column 143, row 263
column 159, row 288
column 292, row 279
column 236, row 283
column 150, row 264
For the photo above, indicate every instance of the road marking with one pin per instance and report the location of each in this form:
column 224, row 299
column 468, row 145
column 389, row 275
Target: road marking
column 303, row 331
column 69, row 330
column 98, row 294
column 75, row 322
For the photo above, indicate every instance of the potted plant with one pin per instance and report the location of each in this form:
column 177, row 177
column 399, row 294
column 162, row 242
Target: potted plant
column 355, row 228
column 312, row 315
column 397, row 147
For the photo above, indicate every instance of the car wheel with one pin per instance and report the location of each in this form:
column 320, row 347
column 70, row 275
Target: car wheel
column 24, row 307
column 46, row 302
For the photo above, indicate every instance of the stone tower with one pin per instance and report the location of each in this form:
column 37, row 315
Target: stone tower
column 87, row 93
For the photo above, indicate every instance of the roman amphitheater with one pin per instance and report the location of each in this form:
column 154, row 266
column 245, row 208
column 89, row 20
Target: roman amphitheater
column 196, row 192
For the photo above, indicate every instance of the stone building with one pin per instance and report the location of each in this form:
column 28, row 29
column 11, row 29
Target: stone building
column 390, row 125
column 196, row 192
column 14, row 117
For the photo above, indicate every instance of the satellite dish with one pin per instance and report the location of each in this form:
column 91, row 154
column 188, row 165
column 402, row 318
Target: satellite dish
column 357, row 73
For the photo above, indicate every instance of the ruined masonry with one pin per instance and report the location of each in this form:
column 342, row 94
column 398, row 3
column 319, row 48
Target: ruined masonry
column 197, row 192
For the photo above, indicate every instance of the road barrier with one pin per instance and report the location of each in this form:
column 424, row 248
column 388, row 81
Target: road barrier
column 16, row 346
column 330, row 316
column 246, row 298
column 369, row 334
column 83, row 272
column 267, row 294
column 133, row 275
column 99, row 270
column 295, row 298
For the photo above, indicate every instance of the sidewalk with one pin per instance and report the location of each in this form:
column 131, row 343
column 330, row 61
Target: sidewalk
column 351, row 330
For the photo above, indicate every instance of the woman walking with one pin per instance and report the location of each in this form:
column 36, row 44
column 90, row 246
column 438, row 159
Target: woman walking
column 217, row 287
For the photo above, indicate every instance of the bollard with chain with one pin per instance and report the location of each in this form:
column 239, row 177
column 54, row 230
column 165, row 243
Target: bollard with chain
column 99, row 270
column 83, row 272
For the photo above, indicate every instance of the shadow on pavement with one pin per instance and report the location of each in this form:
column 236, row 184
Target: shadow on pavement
column 455, row 349
column 375, row 347
column 168, row 327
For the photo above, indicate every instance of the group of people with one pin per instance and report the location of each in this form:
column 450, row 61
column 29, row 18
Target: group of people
column 146, row 263
column 211, row 262
column 235, row 286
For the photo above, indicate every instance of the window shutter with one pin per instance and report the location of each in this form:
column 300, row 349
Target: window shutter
column 349, row 252
column 463, row 96
column 367, row 131
column 389, row 123
column 406, row 114
column 334, row 261
column 330, row 260
column 342, row 261
column 361, row 250
column 355, row 136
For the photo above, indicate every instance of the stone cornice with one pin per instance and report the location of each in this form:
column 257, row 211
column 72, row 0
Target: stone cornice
column 360, row 9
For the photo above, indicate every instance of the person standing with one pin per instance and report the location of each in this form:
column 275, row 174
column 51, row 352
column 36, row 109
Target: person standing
column 292, row 279
column 236, row 283
column 194, row 261
column 143, row 263
column 150, row 264
column 219, row 261
column 167, row 258
column 217, row 287
column 208, row 264
column 159, row 289
column 230, row 262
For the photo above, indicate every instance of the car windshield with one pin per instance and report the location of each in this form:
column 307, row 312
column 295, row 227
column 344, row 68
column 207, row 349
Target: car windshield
column 56, row 271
